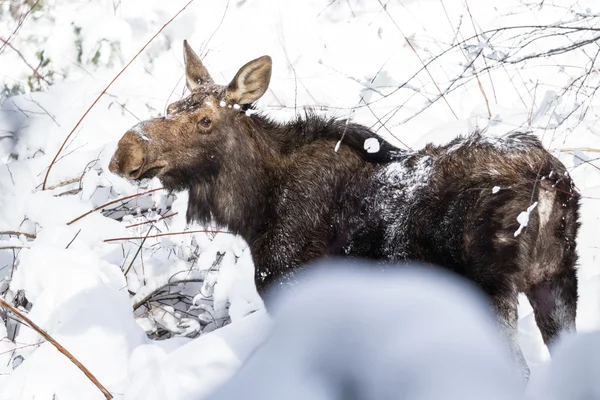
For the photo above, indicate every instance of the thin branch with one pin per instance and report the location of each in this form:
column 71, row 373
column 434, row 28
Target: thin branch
column 166, row 234
column 154, row 220
column 138, row 251
column 205, row 47
column 105, row 89
column 65, row 183
column 113, row 202
column 24, row 60
column 157, row 290
column 15, row 233
column 22, row 19
column 74, row 237
column 419, row 57
column 43, row 109
column 589, row 149
column 58, row 347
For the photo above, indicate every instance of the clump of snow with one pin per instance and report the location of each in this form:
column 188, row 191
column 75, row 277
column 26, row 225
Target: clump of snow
column 372, row 145
column 408, row 175
column 139, row 129
column 222, row 103
column 523, row 218
column 337, row 146
column 236, row 106
column 496, row 189
column 420, row 349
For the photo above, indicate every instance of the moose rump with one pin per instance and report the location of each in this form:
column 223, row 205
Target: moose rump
column 501, row 212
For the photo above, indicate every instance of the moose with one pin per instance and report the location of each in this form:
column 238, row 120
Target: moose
column 499, row 211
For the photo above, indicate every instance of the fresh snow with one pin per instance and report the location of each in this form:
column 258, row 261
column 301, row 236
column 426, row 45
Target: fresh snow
column 204, row 317
column 523, row 218
column 371, row 145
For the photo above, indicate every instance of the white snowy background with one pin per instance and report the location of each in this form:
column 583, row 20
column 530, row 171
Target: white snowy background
column 155, row 313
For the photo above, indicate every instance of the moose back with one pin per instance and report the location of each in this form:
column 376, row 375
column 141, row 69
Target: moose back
column 501, row 212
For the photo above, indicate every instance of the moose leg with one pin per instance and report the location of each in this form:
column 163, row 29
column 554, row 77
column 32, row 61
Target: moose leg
column 554, row 302
column 505, row 305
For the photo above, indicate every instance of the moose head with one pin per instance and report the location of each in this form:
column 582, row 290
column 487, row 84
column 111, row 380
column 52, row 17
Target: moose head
column 198, row 132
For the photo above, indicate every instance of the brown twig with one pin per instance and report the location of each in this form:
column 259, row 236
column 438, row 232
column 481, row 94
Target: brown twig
column 58, row 346
column 487, row 103
column 21, row 347
column 165, row 234
column 15, row 233
column 65, row 183
column 105, row 89
column 151, row 221
column 485, row 63
column 113, row 202
column 581, row 149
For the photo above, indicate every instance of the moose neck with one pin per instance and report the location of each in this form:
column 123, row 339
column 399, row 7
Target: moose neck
column 236, row 197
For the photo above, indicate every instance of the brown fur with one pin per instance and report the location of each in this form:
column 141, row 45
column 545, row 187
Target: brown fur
column 294, row 199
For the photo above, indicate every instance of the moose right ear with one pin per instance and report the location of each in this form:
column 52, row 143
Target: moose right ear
column 251, row 81
column 195, row 72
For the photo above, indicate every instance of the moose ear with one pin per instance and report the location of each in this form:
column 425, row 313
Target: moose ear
column 251, row 81
column 195, row 72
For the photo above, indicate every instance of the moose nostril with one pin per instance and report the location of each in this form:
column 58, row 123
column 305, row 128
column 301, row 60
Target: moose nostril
column 134, row 172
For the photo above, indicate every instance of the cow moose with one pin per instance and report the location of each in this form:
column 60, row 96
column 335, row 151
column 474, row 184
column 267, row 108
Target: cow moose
column 500, row 211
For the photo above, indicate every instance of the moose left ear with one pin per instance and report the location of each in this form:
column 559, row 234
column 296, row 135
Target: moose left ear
column 195, row 72
column 251, row 81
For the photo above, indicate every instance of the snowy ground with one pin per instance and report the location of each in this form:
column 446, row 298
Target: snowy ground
column 345, row 57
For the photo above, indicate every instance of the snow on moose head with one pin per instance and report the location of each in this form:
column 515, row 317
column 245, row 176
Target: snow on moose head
column 198, row 131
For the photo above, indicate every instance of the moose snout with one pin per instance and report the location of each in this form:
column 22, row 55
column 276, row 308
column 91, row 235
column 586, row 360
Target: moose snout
column 129, row 159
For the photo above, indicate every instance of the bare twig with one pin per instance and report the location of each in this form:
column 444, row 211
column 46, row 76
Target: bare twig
column 113, row 202
column 154, row 292
column 419, row 57
column 72, row 240
column 58, row 347
column 154, row 220
column 43, row 109
column 486, row 65
column 487, row 103
column 105, row 89
column 21, row 21
column 24, row 60
column 588, row 149
column 65, row 183
column 138, row 251
column 166, row 234
column 15, row 233
column 205, row 47
column 68, row 192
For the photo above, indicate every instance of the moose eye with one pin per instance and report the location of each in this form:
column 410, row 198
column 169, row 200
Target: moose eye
column 204, row 123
